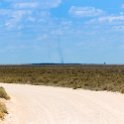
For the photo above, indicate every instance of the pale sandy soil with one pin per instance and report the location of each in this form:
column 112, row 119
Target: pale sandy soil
column 50, row 105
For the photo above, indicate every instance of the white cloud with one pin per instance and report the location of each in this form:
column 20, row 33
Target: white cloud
column 31, row 19
column 42, row 4
column 118, row 28
column 85, row 11
column 4, row 11
column 24, row 10
column 50, row 3
column 15, row 17
column 114, row 20
column 111, row 19
column 23, row 5
column 43, row 37
column 122, row 6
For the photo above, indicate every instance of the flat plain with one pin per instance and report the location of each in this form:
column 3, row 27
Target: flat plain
column 93, row 77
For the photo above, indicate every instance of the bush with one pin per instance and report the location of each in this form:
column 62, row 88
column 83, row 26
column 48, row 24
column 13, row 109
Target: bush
column 3, row 94
column 3, row 110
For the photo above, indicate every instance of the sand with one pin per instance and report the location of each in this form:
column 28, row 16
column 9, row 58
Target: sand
column 52, row 105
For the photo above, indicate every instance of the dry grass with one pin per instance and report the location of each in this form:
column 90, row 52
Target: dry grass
column 3, row 109
column 3, row 94
column 94, row 77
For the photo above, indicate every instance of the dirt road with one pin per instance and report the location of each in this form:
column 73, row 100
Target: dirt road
column 51, row 105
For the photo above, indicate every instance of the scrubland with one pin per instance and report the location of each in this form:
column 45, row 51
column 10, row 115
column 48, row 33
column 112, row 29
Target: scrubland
column 93, row 77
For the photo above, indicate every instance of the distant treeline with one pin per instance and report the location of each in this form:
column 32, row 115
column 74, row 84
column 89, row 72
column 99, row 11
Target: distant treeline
column 63, row 64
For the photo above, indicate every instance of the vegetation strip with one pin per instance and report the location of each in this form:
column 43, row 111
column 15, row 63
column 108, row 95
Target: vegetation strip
column 94, row 77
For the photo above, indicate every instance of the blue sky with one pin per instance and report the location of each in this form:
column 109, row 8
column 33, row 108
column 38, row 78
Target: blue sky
column 79, row 31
